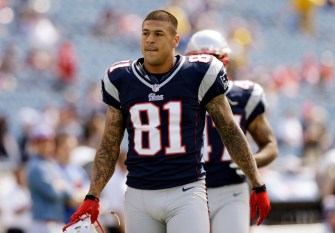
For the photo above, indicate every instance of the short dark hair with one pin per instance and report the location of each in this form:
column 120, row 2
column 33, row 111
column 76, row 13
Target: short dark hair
column 163, row 15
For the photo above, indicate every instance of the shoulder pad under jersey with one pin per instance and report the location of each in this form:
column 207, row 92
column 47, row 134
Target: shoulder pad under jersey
column 117, row 69
column 205, row 63
column 253, row 89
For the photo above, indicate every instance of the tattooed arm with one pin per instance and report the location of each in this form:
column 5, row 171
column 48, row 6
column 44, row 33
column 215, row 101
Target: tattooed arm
column 261, row 131
column 233, row 138
column 108, row 151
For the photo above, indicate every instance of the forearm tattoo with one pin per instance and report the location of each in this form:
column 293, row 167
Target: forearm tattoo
column 107, row 152
column 233, row 138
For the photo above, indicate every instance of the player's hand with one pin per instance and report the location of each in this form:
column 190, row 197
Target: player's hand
column 89, row 206
column 259, row 200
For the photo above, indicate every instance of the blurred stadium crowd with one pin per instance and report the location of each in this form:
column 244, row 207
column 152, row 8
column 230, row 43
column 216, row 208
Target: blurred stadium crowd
column 53, row 54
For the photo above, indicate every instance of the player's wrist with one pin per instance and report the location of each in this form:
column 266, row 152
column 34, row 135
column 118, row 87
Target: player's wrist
column 260, row 189
column 91, row 197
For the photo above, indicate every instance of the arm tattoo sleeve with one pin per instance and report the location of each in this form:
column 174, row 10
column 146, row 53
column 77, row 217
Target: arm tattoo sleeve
column 107, row 152
column 233, row 138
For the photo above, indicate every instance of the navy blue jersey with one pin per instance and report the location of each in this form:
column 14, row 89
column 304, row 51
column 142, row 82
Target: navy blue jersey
column 164, row 117
column 247, row 102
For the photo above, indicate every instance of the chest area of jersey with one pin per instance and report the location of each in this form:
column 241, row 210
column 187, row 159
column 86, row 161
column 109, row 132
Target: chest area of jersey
column 179, row 89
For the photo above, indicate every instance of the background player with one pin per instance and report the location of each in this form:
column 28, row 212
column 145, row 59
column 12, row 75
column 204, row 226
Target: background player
column 161, row 100
column 228, row 190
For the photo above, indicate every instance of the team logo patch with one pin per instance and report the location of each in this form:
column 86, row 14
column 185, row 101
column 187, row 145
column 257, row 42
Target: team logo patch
column 154, row 97
column 224, row 80
column 155, row 88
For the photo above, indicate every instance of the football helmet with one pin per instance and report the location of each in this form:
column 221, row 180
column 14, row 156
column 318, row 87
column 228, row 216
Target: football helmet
column 84, row 225
column 207, row 42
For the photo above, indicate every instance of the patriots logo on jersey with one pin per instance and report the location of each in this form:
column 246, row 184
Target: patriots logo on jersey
column 155, row 88
column 224, row 80
column 154, row 97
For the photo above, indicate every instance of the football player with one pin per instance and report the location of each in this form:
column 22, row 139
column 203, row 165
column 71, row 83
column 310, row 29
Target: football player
column 161, row 100
column 228, row 190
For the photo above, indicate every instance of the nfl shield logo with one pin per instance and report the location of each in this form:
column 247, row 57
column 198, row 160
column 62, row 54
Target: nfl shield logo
column 155, row 88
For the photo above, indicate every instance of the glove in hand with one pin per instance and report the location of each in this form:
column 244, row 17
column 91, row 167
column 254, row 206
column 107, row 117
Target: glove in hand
column 261, row 202
column 88, row 206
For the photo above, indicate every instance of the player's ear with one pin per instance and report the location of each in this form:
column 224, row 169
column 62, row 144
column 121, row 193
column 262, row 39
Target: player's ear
column 176, row 40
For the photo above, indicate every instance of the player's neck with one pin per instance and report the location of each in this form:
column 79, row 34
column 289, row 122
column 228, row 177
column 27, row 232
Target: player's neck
column 160, row 69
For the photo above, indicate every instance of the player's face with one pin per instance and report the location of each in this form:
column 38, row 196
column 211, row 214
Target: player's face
column 158, row 43
column 224, row 58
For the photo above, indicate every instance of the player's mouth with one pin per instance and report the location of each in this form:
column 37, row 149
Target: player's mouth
column 151, row 49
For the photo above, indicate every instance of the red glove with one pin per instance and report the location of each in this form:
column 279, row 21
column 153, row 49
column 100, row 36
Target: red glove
column 89, row 206
column 259, row 200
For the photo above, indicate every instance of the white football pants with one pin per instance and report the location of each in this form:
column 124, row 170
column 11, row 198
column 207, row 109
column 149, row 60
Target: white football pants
column 182, row 209
column 229, row 208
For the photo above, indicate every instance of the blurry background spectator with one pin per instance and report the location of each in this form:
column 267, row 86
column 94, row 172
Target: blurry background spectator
column 9, row 66
column 328, row 206
column 316, row 137
column 290, row 134
column 107, row 25
column 67, row 63
column 94, row 127
column 325, row 173
column 305, row 10
column 69, row 122
column 28, row 117
column 50, row 191
column 16, row 212
column 75, row 175
column 9, row 149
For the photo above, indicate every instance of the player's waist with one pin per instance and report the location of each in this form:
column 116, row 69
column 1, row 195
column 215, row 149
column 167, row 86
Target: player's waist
column 162, row 182
column 221, row 175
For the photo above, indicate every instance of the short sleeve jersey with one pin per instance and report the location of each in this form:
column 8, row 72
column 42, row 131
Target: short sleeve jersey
column 247, row 101
column 164, row 119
